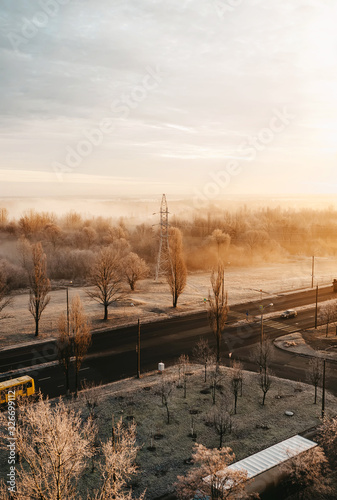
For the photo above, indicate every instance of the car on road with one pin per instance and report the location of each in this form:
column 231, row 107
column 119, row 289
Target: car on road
column 290, row 313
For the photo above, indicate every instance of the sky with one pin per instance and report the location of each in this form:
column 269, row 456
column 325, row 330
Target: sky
column 188, row 97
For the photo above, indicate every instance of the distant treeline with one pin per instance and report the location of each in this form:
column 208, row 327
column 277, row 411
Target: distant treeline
column 243, row 237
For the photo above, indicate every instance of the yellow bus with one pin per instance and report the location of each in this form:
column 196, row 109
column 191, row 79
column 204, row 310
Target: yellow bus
column 21, row 386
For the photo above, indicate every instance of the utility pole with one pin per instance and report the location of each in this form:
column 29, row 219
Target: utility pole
column 67, row 311
column 312, row 271
column 138, row 351
column 163, row 259
column 323, row 390
column 316, row 307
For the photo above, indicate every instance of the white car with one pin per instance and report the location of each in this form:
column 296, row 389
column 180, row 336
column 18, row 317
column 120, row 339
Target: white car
column 290, row 313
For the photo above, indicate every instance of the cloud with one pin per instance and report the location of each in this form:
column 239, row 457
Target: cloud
column 222, row 76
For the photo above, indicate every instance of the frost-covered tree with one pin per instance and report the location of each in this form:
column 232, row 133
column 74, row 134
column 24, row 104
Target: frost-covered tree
column 106, row 279
column 118, row 466
column 217, row 306
column 5, row 298
column 203, row 354
column 176, row 272
column 328, row 439
column 73, row 341
column 328, row 314
column 39, row 285
column 315, row 373
column 54, row 445
column 134, row 269
column 306, row 474
column 211, row 477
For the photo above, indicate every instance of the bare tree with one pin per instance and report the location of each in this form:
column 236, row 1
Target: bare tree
column 222, row 419
column 306, row 475
column 106, row 279
column 216, row 377
column 183, row 365
column 315, row 373
column 263, row 355
column 218, row 308
column 203, row 353
column 221, row 239
column 236, row 381
column 176, row 272
column 211, row 477
column 54, row 444
column 92, row 395
column 134, row 269
column 39, row 285
column 264, row 383
column 64, row 348
column 73, row 340
column 118, row 466
column 5, row 298
column 166, row 388
column 328, row 314
column 79, row 327
column 3, row 216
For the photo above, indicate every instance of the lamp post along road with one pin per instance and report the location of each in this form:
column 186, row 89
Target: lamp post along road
column 262, row 308
column 138, row 351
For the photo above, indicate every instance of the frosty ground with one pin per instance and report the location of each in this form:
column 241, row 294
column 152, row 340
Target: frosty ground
column 152, row 300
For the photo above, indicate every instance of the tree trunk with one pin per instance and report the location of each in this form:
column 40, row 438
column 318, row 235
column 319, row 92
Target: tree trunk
column 218, row 347
column 264, row 397
column 205, row 372
column 36, row 327
column 76, row 381
column 67, row 381
column 105, row 312
column 235, row 402
column 315, row 395
column 221, row 435
column 168, row 414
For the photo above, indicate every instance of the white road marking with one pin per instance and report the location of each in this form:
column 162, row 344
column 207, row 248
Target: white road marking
column 87, row 368
column 40, row 379
column 61, row 385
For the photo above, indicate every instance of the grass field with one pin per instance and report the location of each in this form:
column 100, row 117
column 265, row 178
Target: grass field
column 254, row 427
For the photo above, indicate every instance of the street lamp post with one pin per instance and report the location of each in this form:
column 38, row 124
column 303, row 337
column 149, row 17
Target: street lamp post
column 316, row 307
column 323, row 382
column 70, row 283
column 323, row 390
column 262, row 308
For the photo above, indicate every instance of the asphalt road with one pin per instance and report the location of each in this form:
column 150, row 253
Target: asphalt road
column 112, row 355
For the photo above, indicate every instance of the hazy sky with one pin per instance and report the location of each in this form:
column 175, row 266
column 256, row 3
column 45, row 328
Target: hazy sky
column 149, row 96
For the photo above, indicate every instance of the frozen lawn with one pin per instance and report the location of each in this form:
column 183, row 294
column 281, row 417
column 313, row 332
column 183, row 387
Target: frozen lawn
column 254, row 427
column 153, row 300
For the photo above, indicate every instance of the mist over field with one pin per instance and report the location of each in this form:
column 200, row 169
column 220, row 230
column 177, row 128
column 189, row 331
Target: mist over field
column 247, row 231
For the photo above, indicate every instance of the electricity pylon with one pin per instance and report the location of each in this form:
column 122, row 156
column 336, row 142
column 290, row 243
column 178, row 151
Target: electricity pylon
column 163, row 260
